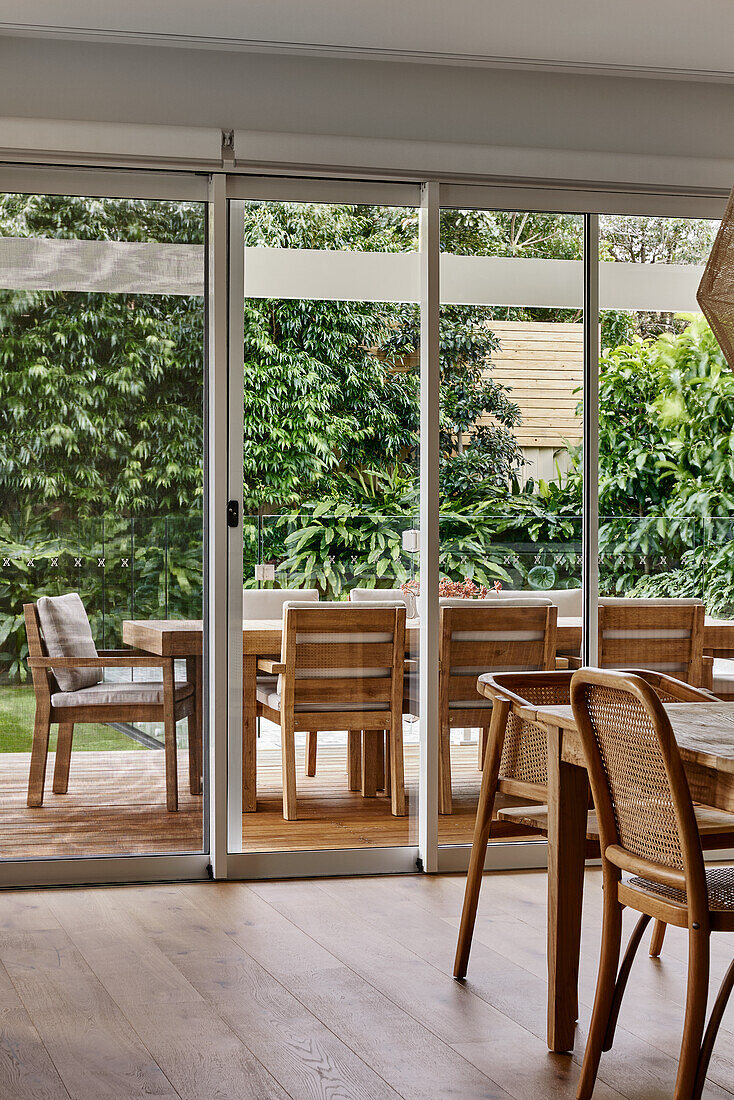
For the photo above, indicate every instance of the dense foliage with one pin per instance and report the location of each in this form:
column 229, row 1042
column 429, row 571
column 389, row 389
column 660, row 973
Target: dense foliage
column 101, row 426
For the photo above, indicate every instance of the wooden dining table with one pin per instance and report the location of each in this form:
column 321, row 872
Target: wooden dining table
column 705, row 736
column 183, row 638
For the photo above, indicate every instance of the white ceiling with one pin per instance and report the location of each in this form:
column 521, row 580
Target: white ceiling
column 662, row 37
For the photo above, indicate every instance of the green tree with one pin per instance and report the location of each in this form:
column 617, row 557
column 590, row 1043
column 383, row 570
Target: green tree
column 100, row 394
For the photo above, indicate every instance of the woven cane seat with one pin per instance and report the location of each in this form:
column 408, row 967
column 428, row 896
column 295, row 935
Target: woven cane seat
column 720, row 883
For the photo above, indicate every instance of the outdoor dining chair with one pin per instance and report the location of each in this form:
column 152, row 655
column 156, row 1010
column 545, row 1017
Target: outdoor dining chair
column 661, row 634
column 647, row 827
column 341, row 667
column 516, row 764
column 479, row 636
column 68, row 670
column 267, row 603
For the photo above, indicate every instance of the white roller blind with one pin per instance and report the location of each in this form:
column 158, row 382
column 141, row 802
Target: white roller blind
column 28, row 263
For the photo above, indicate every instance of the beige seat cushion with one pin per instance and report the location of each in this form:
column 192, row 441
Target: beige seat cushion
column 125, row 694
column 67, row 633
column 272, row 699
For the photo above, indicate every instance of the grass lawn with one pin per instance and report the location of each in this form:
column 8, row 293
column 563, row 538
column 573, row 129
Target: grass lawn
column 17, row 708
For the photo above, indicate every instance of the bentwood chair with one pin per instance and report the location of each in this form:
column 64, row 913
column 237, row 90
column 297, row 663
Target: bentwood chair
column 480, row 636
column 516, row 763
column 68, row 682
column 341, row 667
column 647, row 828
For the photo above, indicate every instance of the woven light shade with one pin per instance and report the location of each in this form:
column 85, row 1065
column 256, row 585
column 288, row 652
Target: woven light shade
column 716, row 290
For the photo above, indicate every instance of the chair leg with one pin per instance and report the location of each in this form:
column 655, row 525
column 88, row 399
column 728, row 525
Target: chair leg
column 397, row 767
column 482, row 744
column 380, row 760
column 39, row 755
column 63, row 757
column 311, row 752
column 656, row 940
column 444, row 771
column 354, row 759
column 288, row 754
column 194, row 724
column 485, row 809
column 169, row 728
column 623, row 977
column 695, row 1020
column 717, row 1013
column 611, row 942
column 388, row 777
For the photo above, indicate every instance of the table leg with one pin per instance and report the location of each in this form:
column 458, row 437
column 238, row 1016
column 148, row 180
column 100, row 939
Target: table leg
column 195, row 676
column 568, row 800
column 249, row 733
column 370, row 762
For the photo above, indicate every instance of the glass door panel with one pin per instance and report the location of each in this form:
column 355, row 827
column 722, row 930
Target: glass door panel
column 665, row 481
column 512, row 360
column 330, row 477
column 102, row 381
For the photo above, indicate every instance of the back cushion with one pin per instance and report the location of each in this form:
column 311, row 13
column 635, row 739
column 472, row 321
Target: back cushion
column 67, row 633
column 567, row 600
column 267, row 603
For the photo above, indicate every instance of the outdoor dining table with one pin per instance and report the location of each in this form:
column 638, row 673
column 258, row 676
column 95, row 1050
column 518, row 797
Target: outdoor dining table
column 183, row 638
column 705, row 736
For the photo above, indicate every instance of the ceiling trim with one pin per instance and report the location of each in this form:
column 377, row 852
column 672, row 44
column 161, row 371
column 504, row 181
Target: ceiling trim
column 361, row 53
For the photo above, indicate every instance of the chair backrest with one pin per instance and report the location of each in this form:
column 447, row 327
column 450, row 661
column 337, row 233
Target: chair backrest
column 66, row 632
column 525, row 748
column 479, row 636
column 567, row 600
column 267, row 603
column 665, row 634
column 646, row 820
column 340, row 656
column 384, row 595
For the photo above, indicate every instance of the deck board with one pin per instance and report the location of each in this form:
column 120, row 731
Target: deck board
column 115, row 805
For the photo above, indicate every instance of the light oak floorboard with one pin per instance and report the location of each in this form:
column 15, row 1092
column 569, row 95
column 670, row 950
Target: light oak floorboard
column 333, row 989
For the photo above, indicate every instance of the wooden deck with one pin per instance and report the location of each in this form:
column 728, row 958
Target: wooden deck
column 116, row 805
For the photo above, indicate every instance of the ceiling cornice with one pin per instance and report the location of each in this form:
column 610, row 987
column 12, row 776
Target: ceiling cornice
column 319, row 50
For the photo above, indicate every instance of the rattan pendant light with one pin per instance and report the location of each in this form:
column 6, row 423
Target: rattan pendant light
column 716, row 290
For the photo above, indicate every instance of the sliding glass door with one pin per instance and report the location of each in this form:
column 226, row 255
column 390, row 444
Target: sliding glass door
column 221, row 394
column 329, row 376
column 101, row 523
column 511, row 477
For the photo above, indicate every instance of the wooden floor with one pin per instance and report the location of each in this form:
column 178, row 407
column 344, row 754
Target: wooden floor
column 116, row 805
column 332, row 989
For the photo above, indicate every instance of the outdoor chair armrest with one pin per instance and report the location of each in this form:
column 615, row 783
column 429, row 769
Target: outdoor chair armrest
column 98, row 662
column 571, row 661
column 561, row 663
column 273, row 668
column 411, row 665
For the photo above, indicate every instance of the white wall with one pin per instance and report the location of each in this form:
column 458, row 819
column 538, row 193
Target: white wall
column 395, row 100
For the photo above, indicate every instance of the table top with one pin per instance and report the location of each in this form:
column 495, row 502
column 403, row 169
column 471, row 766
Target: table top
column 183, row 637
column 704, row 731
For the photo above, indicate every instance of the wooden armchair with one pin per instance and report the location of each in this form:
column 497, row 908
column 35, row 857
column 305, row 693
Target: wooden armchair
column 341, row 667
column 67, row 673
column 480, row 636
